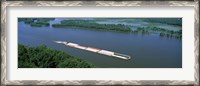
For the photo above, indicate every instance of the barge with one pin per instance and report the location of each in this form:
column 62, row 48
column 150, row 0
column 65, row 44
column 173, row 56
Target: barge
column 96, row 50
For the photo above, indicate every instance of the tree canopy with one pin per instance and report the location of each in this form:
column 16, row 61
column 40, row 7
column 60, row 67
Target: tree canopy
column 44, row 57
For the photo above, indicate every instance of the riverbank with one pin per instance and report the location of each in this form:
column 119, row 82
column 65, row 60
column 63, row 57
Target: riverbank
column 44, row 57
column 124, row 25
column 88, row 24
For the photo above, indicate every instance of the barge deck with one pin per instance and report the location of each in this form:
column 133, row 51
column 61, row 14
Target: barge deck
column 96, row 50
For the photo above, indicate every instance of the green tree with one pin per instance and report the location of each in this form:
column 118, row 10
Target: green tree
column 44, row 57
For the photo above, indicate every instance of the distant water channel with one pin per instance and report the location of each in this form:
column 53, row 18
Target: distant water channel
column 147, row 51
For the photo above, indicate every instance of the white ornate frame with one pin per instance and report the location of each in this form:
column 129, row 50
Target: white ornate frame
column 5, row 4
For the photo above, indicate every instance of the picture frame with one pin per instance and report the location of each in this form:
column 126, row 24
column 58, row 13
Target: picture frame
column 4, row 45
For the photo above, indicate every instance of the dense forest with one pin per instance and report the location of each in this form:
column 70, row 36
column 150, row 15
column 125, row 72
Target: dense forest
column 86, row 24
column 44, row 57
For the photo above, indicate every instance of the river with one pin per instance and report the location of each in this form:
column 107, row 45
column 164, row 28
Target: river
column 146, row 51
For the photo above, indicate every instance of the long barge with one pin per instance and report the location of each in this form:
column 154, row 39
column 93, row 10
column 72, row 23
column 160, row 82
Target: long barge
column 96, row 50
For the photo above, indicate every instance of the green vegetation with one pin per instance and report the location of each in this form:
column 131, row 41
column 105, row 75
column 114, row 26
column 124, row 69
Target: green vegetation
column 25, row 20
column 171, row 21
column 39, row 24
column 93, row 25
column 90, row 24
column 36, row 22
column 87, row 24
column 161, row 31
column 44, row 57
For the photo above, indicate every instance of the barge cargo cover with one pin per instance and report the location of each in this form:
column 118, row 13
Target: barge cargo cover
column 96, row 50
